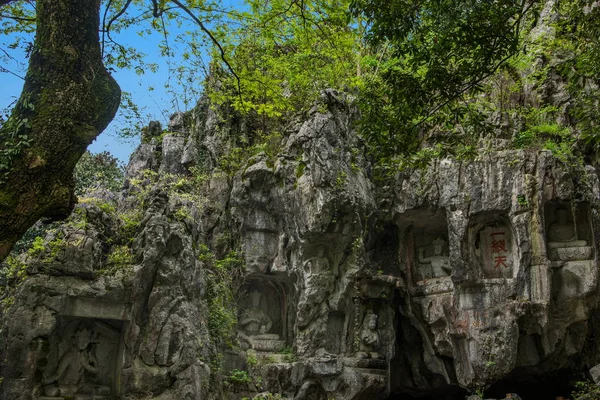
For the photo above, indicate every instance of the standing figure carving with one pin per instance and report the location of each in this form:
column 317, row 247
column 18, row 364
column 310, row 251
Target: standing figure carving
column 369, row 338
column 78, row 361
column 319, row 282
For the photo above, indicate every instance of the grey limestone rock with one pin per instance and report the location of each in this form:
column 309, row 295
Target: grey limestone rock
column 450, row 277
column 595, row 374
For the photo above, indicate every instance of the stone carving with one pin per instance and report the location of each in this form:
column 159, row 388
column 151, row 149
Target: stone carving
column 260, row 241
column 256, row 326
column 440, row 264
column 495, row 251
column 318, row 264
column 435, row 345
column 254, row 320
column 369, row 338
column 563, row 241
column 76, row 364
column 319, row 283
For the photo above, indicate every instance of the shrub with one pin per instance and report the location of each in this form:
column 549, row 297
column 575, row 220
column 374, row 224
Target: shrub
column 586, row 390
column 238, row 377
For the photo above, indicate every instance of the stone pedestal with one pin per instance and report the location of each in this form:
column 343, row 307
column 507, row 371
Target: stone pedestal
column 434, row 286
column 570, row 253
column 266, row 342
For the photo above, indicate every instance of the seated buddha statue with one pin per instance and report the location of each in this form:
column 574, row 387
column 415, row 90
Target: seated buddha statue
column 563, row 243
column 440, row 264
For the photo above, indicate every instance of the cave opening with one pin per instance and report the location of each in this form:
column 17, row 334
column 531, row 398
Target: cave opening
column 547, row 386
column 444, row 393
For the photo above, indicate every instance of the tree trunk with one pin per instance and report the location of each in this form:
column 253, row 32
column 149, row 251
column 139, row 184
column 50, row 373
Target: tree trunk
column 68, row 99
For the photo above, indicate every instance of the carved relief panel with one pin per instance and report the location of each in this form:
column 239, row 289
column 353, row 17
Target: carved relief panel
column 570, row 249
column 432, row 258
column 319, row 276
column 568, row 232
column 260, row 241
column 425, row 246
column 370, row 335
column 85, row 350
column 492, row 246
column 83, row 359
column 262, row 315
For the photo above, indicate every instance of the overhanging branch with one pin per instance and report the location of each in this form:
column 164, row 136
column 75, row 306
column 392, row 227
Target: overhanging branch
column 215, row 42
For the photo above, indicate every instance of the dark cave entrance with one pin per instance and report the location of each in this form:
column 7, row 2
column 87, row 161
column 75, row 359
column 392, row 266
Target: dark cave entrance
column 448, row 393
column 547, row 386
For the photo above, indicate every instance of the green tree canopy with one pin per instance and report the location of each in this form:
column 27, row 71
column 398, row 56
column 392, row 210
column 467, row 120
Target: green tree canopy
column 276, row 55
column 435, row 52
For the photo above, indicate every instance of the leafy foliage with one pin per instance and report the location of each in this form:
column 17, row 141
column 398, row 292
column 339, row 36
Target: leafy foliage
column 577, row 50
column 432, row 77
column 101, row 170
column 586, row 390
column 239, row 377
column 434, row 53
column 222, row 281
column 284, row 52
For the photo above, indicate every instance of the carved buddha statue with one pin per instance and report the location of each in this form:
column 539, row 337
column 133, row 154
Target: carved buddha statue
column 69, row 377
column 255, row 321
column 561, row 232
column 440, row 265
column 563, row 243
column 369, row 338
column 319, row 264
column 255, row 326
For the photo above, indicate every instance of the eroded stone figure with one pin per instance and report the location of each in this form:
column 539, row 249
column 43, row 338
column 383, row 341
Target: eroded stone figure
column 256, row 325
column 563, row 243
column 69, row 377
column 440, row 264
column 318, row 264
column 561, row 232
column 318, row 284
column 369, row 338
column 254, row 320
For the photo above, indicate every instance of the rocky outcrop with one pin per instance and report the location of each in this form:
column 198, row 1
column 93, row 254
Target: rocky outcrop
column 293, row 272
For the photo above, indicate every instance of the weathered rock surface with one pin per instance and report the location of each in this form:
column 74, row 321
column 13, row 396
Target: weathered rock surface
column 458, row 276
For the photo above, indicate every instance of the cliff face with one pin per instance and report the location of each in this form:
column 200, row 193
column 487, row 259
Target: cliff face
column 295, row 273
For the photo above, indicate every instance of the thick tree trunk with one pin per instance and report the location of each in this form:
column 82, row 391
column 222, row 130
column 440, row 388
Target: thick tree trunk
column 67, row 101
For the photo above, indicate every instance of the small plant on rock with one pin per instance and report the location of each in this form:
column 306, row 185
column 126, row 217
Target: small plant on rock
column 238, row 377
column 586, row 390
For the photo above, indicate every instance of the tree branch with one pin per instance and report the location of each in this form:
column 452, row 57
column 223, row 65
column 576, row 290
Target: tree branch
column 2, row 69
column 113, row 19
column 215, row 42
column 17, row 18
column 67, row 80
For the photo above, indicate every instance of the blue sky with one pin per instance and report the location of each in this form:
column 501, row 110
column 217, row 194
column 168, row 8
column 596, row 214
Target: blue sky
column 157, row 104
